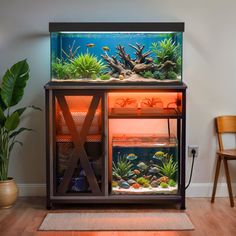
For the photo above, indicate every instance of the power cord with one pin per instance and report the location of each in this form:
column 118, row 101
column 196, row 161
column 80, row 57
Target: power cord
column 191, row 173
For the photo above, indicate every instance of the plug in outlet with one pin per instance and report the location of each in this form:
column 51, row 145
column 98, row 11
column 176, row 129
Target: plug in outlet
column 191, row 148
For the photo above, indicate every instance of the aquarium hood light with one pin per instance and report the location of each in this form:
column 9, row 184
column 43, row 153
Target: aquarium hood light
column 114, row 32
column 116, row 27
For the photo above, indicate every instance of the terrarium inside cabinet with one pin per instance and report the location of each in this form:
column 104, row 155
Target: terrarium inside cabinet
column 116, row 134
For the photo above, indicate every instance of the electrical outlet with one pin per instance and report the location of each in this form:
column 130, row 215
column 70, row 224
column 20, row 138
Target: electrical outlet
column 193, row 147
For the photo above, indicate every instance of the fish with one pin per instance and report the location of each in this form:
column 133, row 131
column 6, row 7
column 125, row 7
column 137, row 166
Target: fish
column 142, row 166
column 158, row 155
column 137, row 172
column 131, row 157
column 105, row 48
column 90, row 45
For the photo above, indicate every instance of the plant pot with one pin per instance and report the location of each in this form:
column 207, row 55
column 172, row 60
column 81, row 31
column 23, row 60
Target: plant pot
column 8, row 193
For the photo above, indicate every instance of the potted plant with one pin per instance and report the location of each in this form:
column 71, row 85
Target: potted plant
column 11, row 92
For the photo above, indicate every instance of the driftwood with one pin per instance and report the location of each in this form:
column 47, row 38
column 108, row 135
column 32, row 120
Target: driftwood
column 116, row 65
column 126, row 66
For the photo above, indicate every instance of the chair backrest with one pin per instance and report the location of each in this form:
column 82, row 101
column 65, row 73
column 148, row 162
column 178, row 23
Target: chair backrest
column 225, row 124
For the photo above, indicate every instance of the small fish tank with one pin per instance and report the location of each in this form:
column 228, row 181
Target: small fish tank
column 116, row 52
column 144, row 164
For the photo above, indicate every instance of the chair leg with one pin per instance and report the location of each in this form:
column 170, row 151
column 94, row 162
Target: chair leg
column 216, row 179
column 228, row 182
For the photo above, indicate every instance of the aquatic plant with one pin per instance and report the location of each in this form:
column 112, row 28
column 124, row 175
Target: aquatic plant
column 147, row 74
column 87, row 66
column 172, row 183
column 171, row 75
column 72, row 51
column 169, row 168
column 164, row 185
column 142, row 181
column 168, row 58
column 166, row 50
column 105, row 77
column 123, row 168
column 61, row 69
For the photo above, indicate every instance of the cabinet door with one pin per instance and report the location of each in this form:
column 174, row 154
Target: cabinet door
column 78, row 152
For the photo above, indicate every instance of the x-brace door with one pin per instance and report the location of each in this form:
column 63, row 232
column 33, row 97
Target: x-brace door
column 79, row 138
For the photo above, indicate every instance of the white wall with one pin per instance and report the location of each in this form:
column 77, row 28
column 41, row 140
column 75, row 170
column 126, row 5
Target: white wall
column 209, row 67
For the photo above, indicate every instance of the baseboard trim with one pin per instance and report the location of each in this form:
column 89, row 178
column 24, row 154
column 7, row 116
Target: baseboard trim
column 194, row 190
column 32, row 190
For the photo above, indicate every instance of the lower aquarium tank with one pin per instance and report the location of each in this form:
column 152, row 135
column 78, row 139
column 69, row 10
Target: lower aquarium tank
column 109, row 52
column 144, row 164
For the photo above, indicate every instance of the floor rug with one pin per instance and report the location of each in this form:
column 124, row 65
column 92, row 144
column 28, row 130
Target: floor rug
column 116, row 221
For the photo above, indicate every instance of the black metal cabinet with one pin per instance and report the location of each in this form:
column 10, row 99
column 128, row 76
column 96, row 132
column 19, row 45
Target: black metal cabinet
column 77, row 144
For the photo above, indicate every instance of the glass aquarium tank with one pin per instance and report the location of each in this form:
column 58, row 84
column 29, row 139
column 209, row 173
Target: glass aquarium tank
column 110, row 52
column 144, row 164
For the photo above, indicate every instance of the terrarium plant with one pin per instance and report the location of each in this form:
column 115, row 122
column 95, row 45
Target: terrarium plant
column 11, row 93
column 123, row 168
column 169, row 168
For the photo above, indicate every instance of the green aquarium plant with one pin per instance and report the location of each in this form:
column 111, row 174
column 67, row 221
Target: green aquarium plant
column 164, row 185
column 105, row 77
column 87, row 66
column 11, row 93
column 168, row 58
column 172, row 183
column 122, row 169
column 62, row 70
column 169, row 168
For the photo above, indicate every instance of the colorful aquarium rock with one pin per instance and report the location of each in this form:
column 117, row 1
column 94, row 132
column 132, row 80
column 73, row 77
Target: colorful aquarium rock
column 163, row 179
column 124, row 185
column 137, row 172
column 136, row 186
column 131, row 157
column 131, row 182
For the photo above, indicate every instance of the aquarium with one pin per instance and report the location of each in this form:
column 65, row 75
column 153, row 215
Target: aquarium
column 105, row 53
column 144, row 164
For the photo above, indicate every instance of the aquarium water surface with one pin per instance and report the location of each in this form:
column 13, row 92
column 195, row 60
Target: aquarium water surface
column 116, row 56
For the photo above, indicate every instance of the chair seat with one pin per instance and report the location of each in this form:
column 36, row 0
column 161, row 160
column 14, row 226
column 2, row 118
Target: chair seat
column 229, row 153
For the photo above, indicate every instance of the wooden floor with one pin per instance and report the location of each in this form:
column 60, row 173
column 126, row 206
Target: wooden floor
column 209, row 219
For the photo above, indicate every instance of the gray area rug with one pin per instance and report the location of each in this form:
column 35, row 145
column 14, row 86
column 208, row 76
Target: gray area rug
column 116, row 221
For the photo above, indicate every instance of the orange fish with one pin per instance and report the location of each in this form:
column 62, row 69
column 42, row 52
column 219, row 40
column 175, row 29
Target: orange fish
column 90, row 45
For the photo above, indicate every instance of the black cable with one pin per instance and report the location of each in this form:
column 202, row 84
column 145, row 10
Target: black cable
column 191, row 173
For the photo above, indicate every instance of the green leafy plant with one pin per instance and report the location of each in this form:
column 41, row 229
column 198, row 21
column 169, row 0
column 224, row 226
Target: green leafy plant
column 166, row 50
column 87, row 66
column 172, row 183
column 105, row 77
column 169, row 168
column 11, row 93
column 147, row 74
column 61, row 69
column 164, row 185
column 123, row 168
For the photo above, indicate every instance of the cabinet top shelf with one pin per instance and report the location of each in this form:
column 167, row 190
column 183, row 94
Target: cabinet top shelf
column 115, row 86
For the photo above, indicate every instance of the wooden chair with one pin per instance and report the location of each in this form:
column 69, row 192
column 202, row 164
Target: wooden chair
column 224, row 124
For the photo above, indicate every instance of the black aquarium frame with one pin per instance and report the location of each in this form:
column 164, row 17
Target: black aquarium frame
column 116, row 26
column 54, row 89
